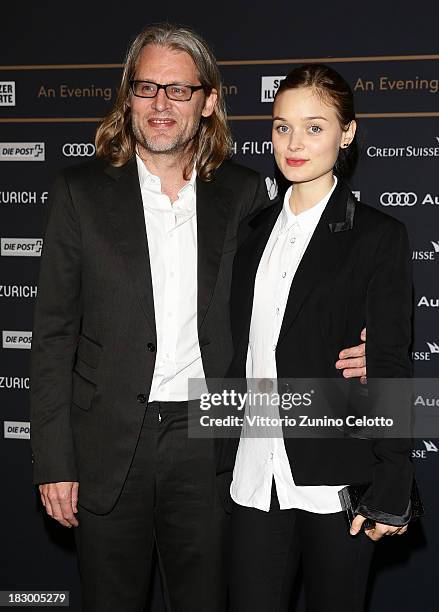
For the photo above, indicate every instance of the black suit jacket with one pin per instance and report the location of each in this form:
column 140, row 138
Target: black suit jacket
column 356, row 272
column 94, row 337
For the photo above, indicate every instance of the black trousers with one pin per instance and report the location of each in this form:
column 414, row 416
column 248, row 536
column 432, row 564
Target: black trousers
column 268, row 547
column 170, row 501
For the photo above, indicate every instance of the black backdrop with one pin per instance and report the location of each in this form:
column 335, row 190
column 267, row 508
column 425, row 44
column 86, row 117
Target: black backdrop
column 60, row 66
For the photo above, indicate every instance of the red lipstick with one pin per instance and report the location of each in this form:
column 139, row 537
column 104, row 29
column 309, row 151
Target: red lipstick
column 295, row 162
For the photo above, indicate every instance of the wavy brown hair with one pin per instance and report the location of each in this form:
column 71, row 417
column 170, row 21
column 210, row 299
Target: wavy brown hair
column 212, row 144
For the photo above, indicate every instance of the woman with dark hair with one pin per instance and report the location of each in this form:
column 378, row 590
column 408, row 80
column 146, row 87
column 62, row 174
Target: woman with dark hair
column 312, row 271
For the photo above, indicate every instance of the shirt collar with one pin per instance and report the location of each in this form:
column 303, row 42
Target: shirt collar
column 306, row 221
column 151, row 182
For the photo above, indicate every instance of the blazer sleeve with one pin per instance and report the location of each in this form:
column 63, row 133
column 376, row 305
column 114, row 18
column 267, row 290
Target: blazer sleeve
column 259, row 200
column 54, row 340
column 388, row 345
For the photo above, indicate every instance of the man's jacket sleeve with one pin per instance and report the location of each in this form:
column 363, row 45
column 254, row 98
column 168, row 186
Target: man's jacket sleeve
column 54, row 340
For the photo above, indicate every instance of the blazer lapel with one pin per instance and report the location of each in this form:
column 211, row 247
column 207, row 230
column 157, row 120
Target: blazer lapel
column 246, row 266
column 125, row 203
column 325, row 250
column 213, row 204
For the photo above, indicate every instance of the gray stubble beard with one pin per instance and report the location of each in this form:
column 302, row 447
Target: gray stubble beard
column 176, row 146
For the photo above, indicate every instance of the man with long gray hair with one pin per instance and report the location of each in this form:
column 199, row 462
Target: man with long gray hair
column 132, row 302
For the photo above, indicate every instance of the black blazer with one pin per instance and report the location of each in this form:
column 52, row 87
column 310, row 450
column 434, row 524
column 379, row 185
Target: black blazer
column 94, row 337
column 356, row 272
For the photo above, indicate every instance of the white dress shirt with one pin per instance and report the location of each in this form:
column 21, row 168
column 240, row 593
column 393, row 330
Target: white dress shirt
column 172, row 243
column 260, row 459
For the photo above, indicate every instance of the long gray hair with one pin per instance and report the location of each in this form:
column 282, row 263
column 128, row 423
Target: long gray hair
column 212, row 144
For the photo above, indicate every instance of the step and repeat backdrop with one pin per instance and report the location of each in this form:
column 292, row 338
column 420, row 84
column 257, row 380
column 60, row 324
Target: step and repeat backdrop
column 48, row 117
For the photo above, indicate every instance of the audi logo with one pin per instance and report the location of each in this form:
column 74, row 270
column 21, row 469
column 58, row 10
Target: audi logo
column 78, row 149
column 402, row 198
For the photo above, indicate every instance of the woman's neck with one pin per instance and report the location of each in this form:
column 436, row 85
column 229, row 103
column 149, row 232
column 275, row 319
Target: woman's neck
column 306, row 195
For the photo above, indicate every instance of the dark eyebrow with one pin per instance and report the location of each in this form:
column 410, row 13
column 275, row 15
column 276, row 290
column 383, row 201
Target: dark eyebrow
column 304, row 119
column 317, row 117
column 154, row 82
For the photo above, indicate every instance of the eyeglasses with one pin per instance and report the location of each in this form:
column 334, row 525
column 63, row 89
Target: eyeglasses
column 180, row 93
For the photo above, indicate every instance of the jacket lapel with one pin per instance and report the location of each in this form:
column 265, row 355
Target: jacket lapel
column 325, row 251
column 125, row 203
column 213, row 204
column 246, row 266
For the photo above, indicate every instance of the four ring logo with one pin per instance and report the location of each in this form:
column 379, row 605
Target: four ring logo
column 402, row 198
column 78, row 149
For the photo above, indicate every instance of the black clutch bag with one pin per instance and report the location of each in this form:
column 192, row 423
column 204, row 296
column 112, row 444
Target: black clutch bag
column 351, row 496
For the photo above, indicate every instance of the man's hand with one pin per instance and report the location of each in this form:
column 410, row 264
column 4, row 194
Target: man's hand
column 353, row 360
column 61, row 501
column 378, row 531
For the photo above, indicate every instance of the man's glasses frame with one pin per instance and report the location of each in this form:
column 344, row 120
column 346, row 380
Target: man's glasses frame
column 187, row 89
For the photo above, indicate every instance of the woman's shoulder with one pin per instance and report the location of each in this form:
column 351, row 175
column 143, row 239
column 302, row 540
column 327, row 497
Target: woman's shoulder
column 368, row 216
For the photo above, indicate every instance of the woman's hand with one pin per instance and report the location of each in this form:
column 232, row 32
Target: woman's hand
column 377, row 532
